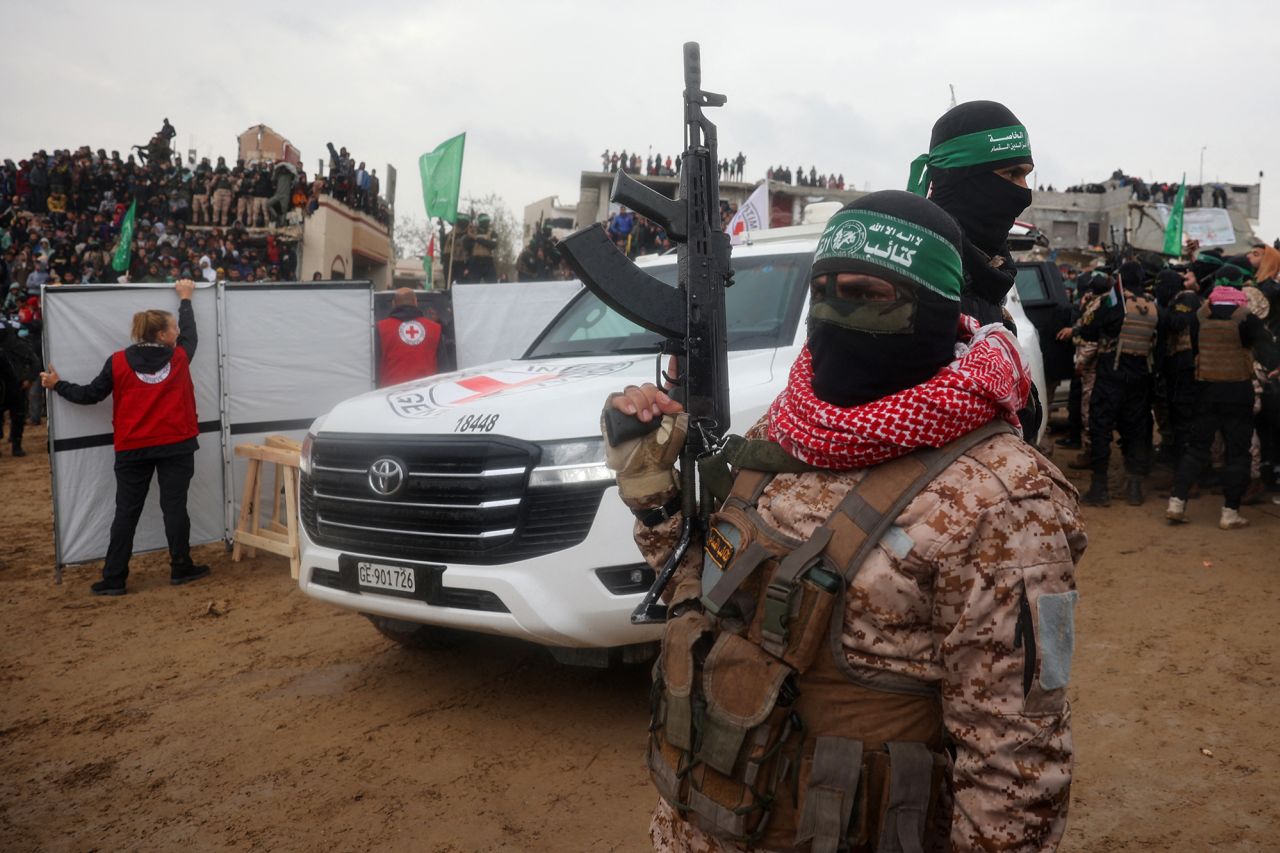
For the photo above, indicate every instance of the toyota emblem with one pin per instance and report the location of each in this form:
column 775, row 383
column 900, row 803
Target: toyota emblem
column 386, row 476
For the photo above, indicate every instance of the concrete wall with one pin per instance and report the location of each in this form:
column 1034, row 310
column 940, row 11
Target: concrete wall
column 338, row 242
column 545, row 209
column 594, row 189
column 262, row 143
column 1065, row 218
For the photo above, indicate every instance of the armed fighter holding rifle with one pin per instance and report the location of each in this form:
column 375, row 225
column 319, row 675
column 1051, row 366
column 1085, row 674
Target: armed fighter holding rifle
column 869, row 598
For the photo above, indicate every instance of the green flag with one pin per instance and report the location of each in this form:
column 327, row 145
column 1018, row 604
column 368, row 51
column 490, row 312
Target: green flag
column 1173, row 228
column 441, row 177
column 120, row 262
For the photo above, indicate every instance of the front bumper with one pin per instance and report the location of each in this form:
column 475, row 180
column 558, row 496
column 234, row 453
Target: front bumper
column 560, row 599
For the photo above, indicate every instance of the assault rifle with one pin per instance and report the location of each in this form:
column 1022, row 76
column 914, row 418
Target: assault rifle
column 691, row 318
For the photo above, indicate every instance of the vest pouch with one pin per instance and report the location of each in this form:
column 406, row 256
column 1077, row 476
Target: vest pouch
column 679, row 664
column 672, row 700
column 808, row 623
column 746, row 739
column 827, row 793
column 894, row 805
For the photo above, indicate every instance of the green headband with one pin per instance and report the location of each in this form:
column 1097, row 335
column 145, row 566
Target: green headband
column 904, row 248
column 971, row 149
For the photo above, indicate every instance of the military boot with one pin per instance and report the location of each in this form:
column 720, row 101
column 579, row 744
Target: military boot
column 1097, row 494
column 1133, row 490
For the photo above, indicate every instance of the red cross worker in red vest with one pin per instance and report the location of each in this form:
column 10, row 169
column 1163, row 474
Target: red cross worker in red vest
column 155, row 428
column 407, row 341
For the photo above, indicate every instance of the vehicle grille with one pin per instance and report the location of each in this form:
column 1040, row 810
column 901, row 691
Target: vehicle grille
column 465, row 500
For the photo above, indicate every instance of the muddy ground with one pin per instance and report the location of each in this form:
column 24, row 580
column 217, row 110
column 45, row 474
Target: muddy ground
column 234, row 713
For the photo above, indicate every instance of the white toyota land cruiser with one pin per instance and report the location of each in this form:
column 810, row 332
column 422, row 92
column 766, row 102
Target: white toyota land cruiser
column 479, row 500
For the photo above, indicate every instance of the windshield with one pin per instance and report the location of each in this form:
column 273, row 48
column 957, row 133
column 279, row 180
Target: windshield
column 762, row 305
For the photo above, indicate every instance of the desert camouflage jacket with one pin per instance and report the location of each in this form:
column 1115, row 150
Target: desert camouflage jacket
column 984, row 555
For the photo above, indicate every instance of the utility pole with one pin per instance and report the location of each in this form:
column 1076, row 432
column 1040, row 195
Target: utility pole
column 1202, row 148
column 952, row 86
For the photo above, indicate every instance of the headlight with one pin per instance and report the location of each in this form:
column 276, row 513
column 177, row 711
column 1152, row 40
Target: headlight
column 565, row 463
column 304, row 458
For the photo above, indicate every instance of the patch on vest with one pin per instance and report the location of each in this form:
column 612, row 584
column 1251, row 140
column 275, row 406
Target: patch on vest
column 722, row 542
column 1057, row 637
column 412, row 332
column 154, row 378
column 719, row 548
column 897, row 542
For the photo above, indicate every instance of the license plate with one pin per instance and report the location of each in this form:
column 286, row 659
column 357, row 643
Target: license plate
column 381, row 576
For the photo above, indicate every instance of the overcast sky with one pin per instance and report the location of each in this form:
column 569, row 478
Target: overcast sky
column 541, row 88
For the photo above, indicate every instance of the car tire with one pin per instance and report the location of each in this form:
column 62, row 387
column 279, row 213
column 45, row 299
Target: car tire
column 414, row 635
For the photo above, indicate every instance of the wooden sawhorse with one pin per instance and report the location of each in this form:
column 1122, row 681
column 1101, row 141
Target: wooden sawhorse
column 276, row 536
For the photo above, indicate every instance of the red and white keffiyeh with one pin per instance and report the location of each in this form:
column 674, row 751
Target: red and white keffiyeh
column 988, row 379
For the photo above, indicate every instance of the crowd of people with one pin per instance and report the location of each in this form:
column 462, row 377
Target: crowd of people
column 1156, row 191
column 350, row 183
column 1187, row 351
column 636, row 235
column 730, row 168
column 800, row 178
column 634, row 164
column 61, row 215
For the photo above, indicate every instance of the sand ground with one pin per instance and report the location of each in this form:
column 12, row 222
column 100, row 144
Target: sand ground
column 235, row 713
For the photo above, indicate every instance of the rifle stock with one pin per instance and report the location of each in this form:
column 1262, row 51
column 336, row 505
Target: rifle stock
column 691, row 318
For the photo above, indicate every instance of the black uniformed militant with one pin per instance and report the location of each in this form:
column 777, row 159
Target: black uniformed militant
column 1124, row 326
column 1226, row 338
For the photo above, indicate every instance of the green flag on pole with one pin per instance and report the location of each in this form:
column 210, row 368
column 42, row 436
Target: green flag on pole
column 441, row 178
column 1173, row 228
column 120, row 262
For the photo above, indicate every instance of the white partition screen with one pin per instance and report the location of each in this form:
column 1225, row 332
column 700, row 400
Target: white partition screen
column 84, row 325
column 270, row 358
column 499, row 321
column 292, row 352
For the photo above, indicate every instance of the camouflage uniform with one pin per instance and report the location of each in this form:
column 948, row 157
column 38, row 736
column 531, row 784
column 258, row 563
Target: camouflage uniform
column 998, row 527
column 1086, row 361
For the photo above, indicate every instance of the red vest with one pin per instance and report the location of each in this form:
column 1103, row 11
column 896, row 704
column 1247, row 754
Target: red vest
column 408, row 349
column 155, row 410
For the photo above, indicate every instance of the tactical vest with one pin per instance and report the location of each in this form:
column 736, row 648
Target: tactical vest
column 1222, row 358
column 482, row 245
column 1138, row 332
column 1179, row 342
column 761, row 731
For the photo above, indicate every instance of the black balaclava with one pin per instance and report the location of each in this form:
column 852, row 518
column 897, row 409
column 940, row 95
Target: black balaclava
column 851, row 367
column 1131, row 276
column 984, row 203
column 1168, row 285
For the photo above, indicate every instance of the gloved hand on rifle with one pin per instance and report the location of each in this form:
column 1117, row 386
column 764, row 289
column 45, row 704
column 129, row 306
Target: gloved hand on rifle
column 646, row 466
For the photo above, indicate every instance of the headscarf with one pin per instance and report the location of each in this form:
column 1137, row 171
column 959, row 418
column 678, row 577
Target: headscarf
column 1226, row 295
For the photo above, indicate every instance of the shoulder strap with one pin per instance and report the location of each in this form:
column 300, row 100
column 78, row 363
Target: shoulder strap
column 871, row 508
column 746, row 455
column 856, row 525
